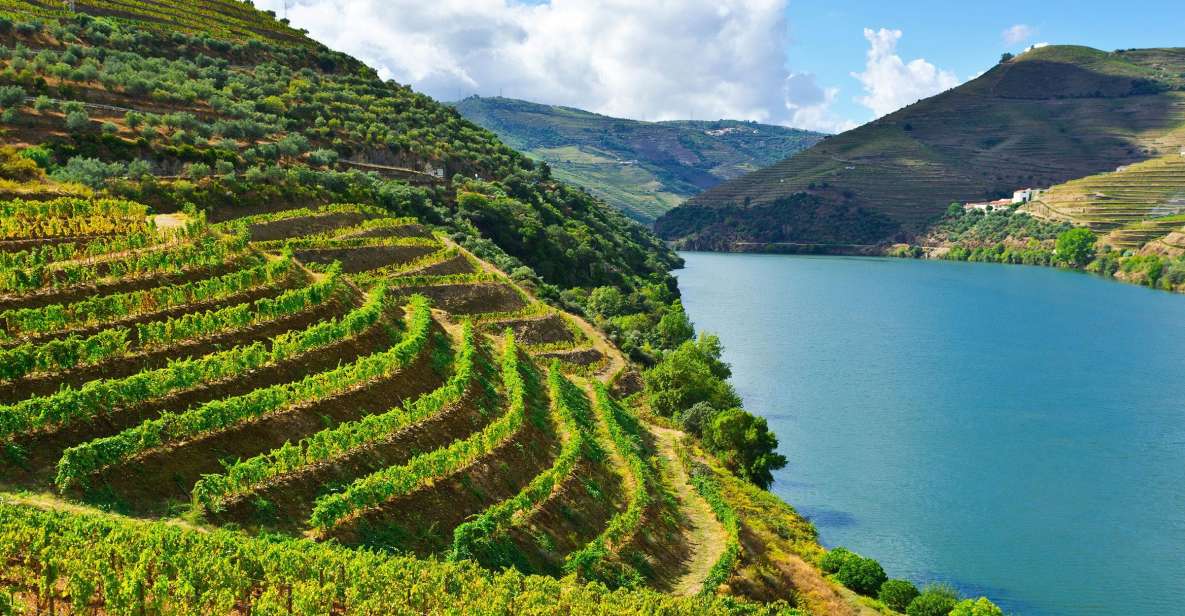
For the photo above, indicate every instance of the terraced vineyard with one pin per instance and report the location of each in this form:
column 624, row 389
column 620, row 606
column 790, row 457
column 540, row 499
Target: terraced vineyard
column 278, row 336
column 335, row 373
column 1132, row 206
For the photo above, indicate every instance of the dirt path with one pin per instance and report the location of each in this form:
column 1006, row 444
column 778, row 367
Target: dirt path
column 703, row 532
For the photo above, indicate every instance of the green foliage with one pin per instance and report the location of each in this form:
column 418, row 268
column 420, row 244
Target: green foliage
column 77, row 121
column 90, row 171
column 934, row 601
column 591, row 562
column 688, row 375
column 897, row 594
column 863, row 575
column 71, row 404
column 1076, row 246
column 131, row 565
column 245, row 476
column 694, row 419
column 475, row 539
column 834, row 559
column 976, row 607
column 81, row 460
column 332, row 509
column 703, row 479
column 745, row 444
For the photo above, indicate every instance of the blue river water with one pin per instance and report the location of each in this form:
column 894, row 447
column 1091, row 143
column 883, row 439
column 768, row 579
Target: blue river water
column 1014, row 431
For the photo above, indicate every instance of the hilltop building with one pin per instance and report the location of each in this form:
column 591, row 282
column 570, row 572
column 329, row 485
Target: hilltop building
column 1026, row 195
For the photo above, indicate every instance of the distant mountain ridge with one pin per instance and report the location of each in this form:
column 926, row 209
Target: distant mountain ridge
column 642, row 168
column 1048, row 116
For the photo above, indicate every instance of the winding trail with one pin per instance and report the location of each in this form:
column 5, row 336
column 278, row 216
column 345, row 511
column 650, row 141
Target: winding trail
column 703, row 532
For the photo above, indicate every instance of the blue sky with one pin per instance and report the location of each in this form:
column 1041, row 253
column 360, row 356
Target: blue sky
column 806, row 63
column 964, row 37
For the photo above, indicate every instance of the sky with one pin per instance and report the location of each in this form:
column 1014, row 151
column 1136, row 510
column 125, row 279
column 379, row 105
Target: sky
column 814, row 64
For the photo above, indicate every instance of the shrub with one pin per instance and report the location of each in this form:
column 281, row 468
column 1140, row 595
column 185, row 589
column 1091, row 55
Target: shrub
column 746, row 445
column 198, row 171
column 1076, row 246
column 323, row 158
column 695, row 418
column 896, row 594
column 90, row 171
column 11, row 96
column 934, row 601
column 77, row 120
column 13, row 166
column 863, row 575
column 44, row 103
column 40, row 155
column 109, row 128
column 976, row 607
column 832, row 561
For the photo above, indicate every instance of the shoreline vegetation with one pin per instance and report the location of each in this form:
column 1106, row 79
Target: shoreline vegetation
column 1012, row 237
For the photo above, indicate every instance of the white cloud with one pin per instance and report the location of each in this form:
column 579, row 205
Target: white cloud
column 1035, row 46
column 1018, row 33
column 705, row 59
column 889, row 82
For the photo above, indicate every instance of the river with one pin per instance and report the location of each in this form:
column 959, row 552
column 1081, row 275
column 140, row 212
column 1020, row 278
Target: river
column 1014, row 431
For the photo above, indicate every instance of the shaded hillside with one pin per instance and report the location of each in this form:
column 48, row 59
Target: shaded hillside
column 642, row 168
column 1045, row 117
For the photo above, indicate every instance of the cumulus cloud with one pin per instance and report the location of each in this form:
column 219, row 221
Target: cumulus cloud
column 889, row 82
column 1018, row 34
column 705, row 59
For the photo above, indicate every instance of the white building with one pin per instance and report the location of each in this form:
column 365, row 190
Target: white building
column 1026, row 195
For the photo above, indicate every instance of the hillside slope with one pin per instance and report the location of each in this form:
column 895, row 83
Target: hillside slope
column 642, row 168
column 1048, row 116
column 245, row 284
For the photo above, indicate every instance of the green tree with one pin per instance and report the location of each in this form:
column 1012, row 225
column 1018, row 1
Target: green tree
column 675, row 328
column 695, row 418
column 1076, row 246
column 745, row 444
column 896, row 594
column 690, row 374
column 606, row 302
column 976, row 607
column 861, row 574
column 934, row 601
column 77, row 121
column 834, row 559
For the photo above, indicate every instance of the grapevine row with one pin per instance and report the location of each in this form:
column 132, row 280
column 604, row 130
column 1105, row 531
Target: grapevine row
column 79, row 461
column 92, row 310
column 71, row 207
column 207, row 251
column 706, row 484
column 246, row 476
column 381, row 486
column 624, row 524
column 70, row 560
column 74, row 351
column 570, row 405
column 75, row 404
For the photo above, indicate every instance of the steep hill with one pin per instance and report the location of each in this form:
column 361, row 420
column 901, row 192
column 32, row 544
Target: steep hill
column 1048, row 116
column 642, row 168
column 259, row 308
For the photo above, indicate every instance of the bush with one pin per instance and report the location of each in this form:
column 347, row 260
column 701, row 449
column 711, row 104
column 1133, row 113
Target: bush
column 109, row 128
column 40, row 155
column 834, row 560
column 863, row 575
column 1076, row 246
column 90, row 171
column 896, row 594
column 976, row 607
column 77, row 121
column 11, row 96
column 934, row 601
column 745, row 444
column 695, row 418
